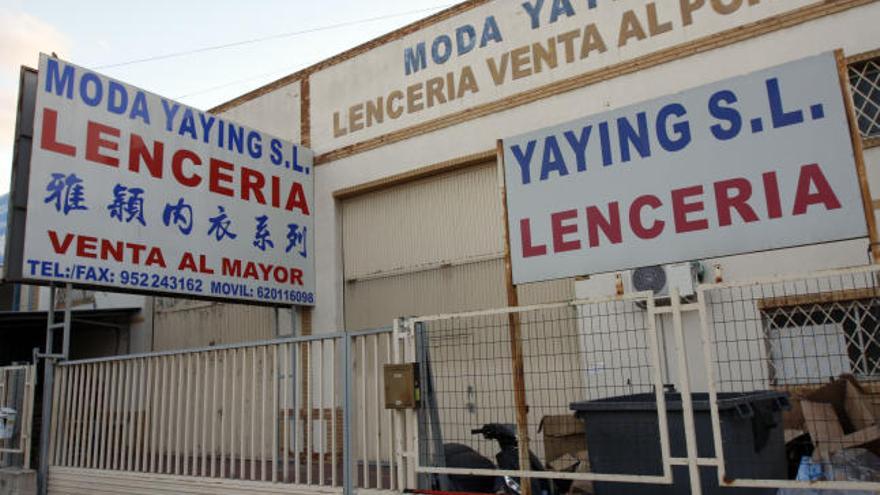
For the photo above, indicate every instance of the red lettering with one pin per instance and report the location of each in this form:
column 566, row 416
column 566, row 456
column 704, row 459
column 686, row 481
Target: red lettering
column 560, row 245
column 252, row 182
column 297, row 199
column 276, row 191
column 725, row 202
column 139, row 153
column 231, row 268
column 49, row 136
column 681, row 209
column 250, row 271
column 635, row 217
column 110, row 249
column 86, row 246
column 192, row 180
column 136, row 250
column 95, row 142
column 610, row 225
column 217, row 176
column 280, row 274
column 188, row 262
column 155, row 257
column 771, row 193
column 60, row 247
column 528, row 249
column 266, row 269
column 296, row 276
column 811, row 175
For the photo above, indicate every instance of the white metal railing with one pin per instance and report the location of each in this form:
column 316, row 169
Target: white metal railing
column 772, row 339
column 794, row 333
column 17, row 385
column 271, row 412
column 573, row 351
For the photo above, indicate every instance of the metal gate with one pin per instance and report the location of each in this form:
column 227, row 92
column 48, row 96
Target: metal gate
column 736, row 354
column 268, row 417
column 16, row 415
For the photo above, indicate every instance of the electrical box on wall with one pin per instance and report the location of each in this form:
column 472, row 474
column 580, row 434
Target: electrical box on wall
column 402, row 386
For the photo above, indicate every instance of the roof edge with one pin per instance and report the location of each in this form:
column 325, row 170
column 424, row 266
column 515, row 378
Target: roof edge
column 350, row 53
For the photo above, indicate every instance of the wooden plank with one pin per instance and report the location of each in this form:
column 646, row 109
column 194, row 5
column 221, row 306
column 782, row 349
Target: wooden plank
column 516, row 351
column 859, row 154
column 817, row 298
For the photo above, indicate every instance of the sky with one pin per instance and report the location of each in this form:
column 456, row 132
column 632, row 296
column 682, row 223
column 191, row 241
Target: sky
column 101, row 34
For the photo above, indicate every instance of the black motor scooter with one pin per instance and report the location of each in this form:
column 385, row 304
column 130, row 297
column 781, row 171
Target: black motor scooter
column 462, row 456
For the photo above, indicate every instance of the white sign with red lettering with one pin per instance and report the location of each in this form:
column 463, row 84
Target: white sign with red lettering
column 132, row 191
column 758, row 162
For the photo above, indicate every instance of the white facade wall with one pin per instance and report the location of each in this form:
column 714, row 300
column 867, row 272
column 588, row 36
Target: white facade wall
column 854, row 31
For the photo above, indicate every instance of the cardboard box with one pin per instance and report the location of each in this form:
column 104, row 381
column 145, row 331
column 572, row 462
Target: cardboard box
column 839, row 416
column 563, row 434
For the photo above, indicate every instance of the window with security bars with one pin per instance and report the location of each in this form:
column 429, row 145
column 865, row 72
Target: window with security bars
column 811, row 343
column 864, row 81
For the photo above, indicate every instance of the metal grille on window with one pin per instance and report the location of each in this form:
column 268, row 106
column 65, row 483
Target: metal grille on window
column 809, row 343
column 864, row 80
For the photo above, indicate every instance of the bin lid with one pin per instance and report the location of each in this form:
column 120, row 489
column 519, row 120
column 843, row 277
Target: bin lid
column 648, row 402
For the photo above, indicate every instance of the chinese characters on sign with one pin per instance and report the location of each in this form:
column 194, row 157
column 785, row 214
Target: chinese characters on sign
column 132, row 191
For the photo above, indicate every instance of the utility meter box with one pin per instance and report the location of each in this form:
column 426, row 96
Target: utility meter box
column 402, row 386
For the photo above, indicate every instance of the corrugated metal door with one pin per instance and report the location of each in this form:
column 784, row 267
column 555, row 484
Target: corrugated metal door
column 429, row 246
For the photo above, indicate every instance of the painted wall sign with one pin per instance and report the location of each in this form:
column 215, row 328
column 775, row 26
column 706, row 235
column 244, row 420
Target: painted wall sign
column 758, row 162
column 133, row 191
column 503, row 48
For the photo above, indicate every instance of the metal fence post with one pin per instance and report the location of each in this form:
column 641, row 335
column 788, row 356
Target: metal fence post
column 347, row 483
column 48, row 386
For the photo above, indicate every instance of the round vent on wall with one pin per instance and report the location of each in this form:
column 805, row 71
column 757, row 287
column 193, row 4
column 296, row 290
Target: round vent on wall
column 651, row 278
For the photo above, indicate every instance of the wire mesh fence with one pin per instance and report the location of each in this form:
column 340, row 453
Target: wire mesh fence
column 814, row 341
column 583, row 364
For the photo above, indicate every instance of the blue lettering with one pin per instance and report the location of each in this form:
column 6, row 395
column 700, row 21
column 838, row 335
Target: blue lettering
column 491, row 32
column 446, row 43
column 207, row 122
column 255, row 145
column 534, row 12
column 560, row 7
column 296, row 166
column 114, row 90
column 780, row 117
column 188, row 124
column 628, row 136
column 465, row 39
column 91, row 100
column 236, row 138
column 62, row 82
column 605, row 141
column 680, row 129
column 524, row 159
column 139, row 108
column 553, row 161
column 579, row 146
column 170, row 112
column 725, row 113
column 275, row 154
column 415, row 59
